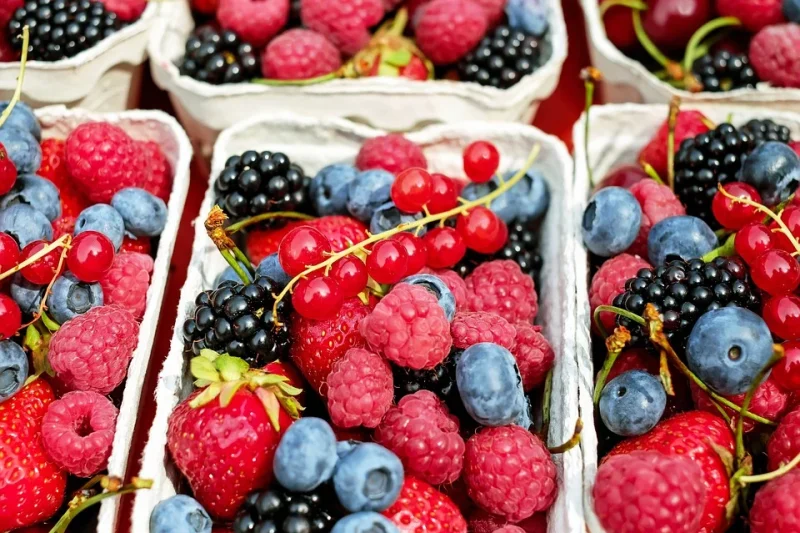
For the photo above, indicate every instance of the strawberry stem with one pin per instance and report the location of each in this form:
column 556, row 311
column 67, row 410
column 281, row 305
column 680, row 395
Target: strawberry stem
column 763, row 209
column 26, row 37
column 769, row 476
column 590, row 77
column 80, row 502
column 692, row 84
column 242, row 224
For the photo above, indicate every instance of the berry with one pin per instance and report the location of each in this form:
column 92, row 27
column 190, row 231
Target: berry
column 671, row 25
column 776, row 506
column 609, row 282
column 70, row 297
column 329, row 189
column 767, row 130
column 490, row 384
column 341, row 231
column 791, row 218
column 446, row 247
column 774, row 170
column 724, row 71
column 529, row 15
column 658, row 202
column 369, row 478
column 782, row 315
column 776, row 272
column 446, row 30
column 126, row 10
column 752, row 241
column 271, row 268
column 299, row 54
column 469, row 329
column 25, row 224
column 366, row 521
column 37, row 192
column 54, row 163
column 502, row 59
column 769, row 401
column 43, row 270
column 317, row 298
column 416, row 250
column 482, row 522
column 182, row 513
column 784, row 445
column 159, row 176
column 13, row 366
column 688, row 124
column 455, row 283
column 141, row 246
column 255, row 22
column 632, row 403
column 306, row 455
column 276, row 509
column 481, row 160
column 8, row 172
column 482, row 230
column 72, row 203
column 144, row 214
column 533, row 354
column 104, row 219
column 350, row 275
column 787, row 372
column 218, row 57
column 443, row 194
column 754, row 14
column 369, row 190
column 23, row 117
column 387, row 217
column 628, row 175
column 773, row 52
column 681, row 237
column 387, row 262
column 791, row 10
column 412, row 189
column 126, row 282
column 346, row 24
column 439, row 289
column 90, row 256
column 611, row 221
column 733, row 215
column 500, row 287
column 27, row 295
column 360, row 389
column 22, row 149
column 393, row 153
column 302, row 248
column 421, row 507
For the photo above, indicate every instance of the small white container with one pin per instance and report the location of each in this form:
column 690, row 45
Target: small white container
column 314, row 143
column 617, row 135
column 395, row 104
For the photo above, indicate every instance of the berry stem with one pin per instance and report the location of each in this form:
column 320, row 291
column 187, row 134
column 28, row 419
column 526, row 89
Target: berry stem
column 230, row 258
column 398, row 25
column 590, row 76
column 546, row 401
column 692, row 84
column 633, row 4
column 769, row 476
column 81, row 502
column 244, row 260
column 242, row 224
column 616, row 310
column 673, row 68
column 64, row 241
column 614, row 346
column 50, row 324
column 728, row 249
column 672, row 120
column 26, row 37
column 650, row 171
column 763, row 209
column 573, row 441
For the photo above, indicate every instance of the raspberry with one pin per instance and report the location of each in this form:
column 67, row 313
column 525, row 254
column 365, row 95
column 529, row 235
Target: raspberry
column 299, row 55
column 493, row 10
column 754, row 14
column 609, row 282
column 346, row 22
column 533, row 353
column 159, row 175
column 509, row 529
column 471, row 328
column 392, row 153
column 126, row 282
column 126, row 10
column 784, row 444
column 482, row 522
column 509, row 472
column 657, row 202
column 777, row 505
column 78, row 430
column 254, row 21
column 795, row 145
column 424, row 435
column 775, row 54
column 769, row 401
column 64, row 225
column 54, row 162
column 409, row 328
column 102, row 160
column 92, row 351
column 500, row 287
column 688, row 125
column 360, row 389
column 341, row 231
column 455, row 283
column 446, row 30
column 649, row 491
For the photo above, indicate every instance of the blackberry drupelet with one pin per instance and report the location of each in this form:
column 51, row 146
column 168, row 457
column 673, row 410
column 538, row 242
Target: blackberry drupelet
column 237, row 319
column 767, row 130
column 724, row 71
column 276, row 510
column 255, row 183
column 521, row 248
column 502, row 59
column 219, row 57
column 440, row 380
column 295, row 21
column 61, row 28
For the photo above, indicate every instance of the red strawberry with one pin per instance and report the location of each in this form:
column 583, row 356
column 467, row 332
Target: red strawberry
column 133, row 244
column 688, row 125
column 263, row 242
column 342, row 231
column 420, row 508
column 54, row 163
column 72, row 201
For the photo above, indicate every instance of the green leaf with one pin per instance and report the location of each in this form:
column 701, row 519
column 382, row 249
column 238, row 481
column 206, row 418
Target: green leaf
column 397, row 58
column 289, row 389
column 204, row 369
column 231, row 368
column 271, row 406
column 291, row 406
column 267, row 380
column 207, row 396
column 229, row 391
column 211, row 355
column 388, row 70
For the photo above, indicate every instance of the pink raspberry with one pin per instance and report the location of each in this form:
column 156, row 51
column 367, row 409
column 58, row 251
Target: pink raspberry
column 493, row 10
column 126, row 282
column 509, row 472
column 769, row 401
column 159, row 175
column 126, row 10
column 471, row 328
column 454, row 282
column 533, row 353
column 446, row 30
column 754, row 14
column 102, row 159
column 360, row 389
column 78, row 431
column 688, row 125
column 609, row 282
column 92, row 351
column 409, row 328
column 482, row 522
column 657, row 202
column 500, row 287
column 299, row 55
column 775, row 54
column 393, row 153
column 510, row 528
column 784, row 444
column 254, row 21
column 424, row 435
column 345, row 23
column 777, row 505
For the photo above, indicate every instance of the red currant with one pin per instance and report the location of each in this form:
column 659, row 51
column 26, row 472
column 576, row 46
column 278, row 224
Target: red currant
column 624, row 177
column 90, row 256
column 445, row 247
column 388, row 262
column 753, row 240
column 791, row 217
column 481, row 160
column 445, row 195
column 351, row 275
column 43, row 270
column 416, row 250
column 776, row 272
column 317, row 298
column 8, row 172
column 10, row 317
column 782, row 315
column 787, row 371
column 301, row 248
column 482, row 230
column 9, row 252
column 412, row 189
column 733, row 215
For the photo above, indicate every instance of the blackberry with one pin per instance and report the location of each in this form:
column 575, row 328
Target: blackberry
column 440, row 380
column 724, row 71
column 218, row 57
column 61, row 28
column 277, row 510
column 502, row 59
column 521, row 247
column 706, row 160
column 237, row 319
column 254, row 183
column 295, row 20
column 684, row 291
column 767, row 130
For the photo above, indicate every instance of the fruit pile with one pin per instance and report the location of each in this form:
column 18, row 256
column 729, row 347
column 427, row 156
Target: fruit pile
column 354, row 380
column 279, row 42
column 709, row 46
column 698, row 380
column 77, row 218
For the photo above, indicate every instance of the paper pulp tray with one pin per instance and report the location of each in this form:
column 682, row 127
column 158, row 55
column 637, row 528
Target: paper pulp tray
column 58, row 122
column 617, row 135
column 315, row 143
column 104, row 78
column 389, row 103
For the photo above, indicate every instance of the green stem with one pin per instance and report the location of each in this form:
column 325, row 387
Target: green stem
column 399, row 24
column 589, row 85
column 26, row 36
column 622, row 312
column 726, row 250
column 49, row 323
column 600, row 383
column 231, row 260
column 233, row 228
column 244, row 260
column 633, row 4
column 769, row 476
column 649, row 45
column 75, row 510
column 546, row 399
column 698, row 36
column 777, row 355
column 650, row 171
column 572, row 442
column 672, row 120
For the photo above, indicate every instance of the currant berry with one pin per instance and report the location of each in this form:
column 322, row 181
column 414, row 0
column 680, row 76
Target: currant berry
column 351, row 275
column 317, row 298
column 753, row 240
column 776, row 272
column 8, row 172
column 44, row 269
column 444, row 195
column 388, row 262
column 733, row 215
column 9, row 252
column 482, row 230
column 445, row 247
column 90, row 256
column 481, row 160
column 10, row 317
column 782, row 315
column 301, row 248
column 415, row 249
column 787, row 372
column 412, row 189
column 791, row 217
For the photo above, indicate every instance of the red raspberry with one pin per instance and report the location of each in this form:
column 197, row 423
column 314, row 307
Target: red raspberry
column 688, row 125
column 509, row 529
column 777, row 505
column 446, row 30
column 754, row 14
column 72, row 201
column 424, row 435
column 769, row 401
column 784, row 444
column 78, row 430
column 657, row 202
column 634, row 359
column 132, row 244
column 126, row 10
column 775, row 54
column 126, row 282
column 455, row 283
column 159, row 175
column 254, row 21
column 299, row 55
column 493, row 10
column 341, row 231
column 533, row 353
column 263, row 242
column 409, row 328
column 482, row 522
column 393, row 153
column 54, row 162
column 609, row 282
column 500, row 287
column 649, row 491
column 360, row 389
column 92, row 351
column 509, row 472
column 102, row 160
column 471, row 328
column 63, row 226
column 346, row 22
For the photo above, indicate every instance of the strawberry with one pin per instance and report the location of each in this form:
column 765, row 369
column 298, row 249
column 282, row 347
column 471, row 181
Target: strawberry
column 262, row 242
column 420, row 508
column 687, row 125
column 342, row 231
column 54, row 163
column 72, row 201
column 132, row 244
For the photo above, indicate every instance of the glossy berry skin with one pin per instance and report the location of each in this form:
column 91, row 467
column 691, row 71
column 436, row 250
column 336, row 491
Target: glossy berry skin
column 774, row 170
column 776, row 272
column 416, row 250
column 10, row 317
column 317, row 298
column 685, row 237
column 444, row 195
column 301, row 248
column 632, row 403
column 752, row 241
column 43, row 270
column 8, row 172
column 791, row 218
column 446, row 247
column 412, row 189
column 782, row 315
column 388, row 262
column 671, row 23
column 9, row 252
column 350, row 274
column 732, row 215
column 482, row 230
column 91, row 256
column 787, row 372
column 481, row 160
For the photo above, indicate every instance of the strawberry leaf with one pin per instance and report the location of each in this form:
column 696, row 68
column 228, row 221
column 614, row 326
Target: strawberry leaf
column 204, row 370
column 271, row 406
column 229, row 390
column 397, row 58
column 231, row 368
column 207, row 396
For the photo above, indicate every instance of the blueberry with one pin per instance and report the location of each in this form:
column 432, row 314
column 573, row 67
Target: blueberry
column 22, row 148
column 791, row 10
column 271, row 268
column 367, row 522
column 367, row 192
column 230, row 275
column 306, row 455
column 727, row 348
column 439, row 289
column 22, row 117
column 632, row 403
column 179, row 514
column 524, row 420
column 36, row 192
column 369, row 478
column 329, row 190
column 774, row 170
column 535, row 203
column 507, row 206
column 27, row 295
column 531, row 16
column 71, row 297
column 682, row 236
column 144, row 214
column 489, row 383
column 388, row 216
column 611, row 221
column 343, row 447
column 104, row 219
column 13, row 369
column 25, row 224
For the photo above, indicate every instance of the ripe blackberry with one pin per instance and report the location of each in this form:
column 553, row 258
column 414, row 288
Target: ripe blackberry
column 295, row 21
column 218, row 57
column 61, row 28
column 237, row 319
column 767, row 130
column 684, row 291
column 522, row 247
column 440, row 380
column 277, row 510
column 724, row 71
column 502, row 59
column 706, row 160
column 255, row 183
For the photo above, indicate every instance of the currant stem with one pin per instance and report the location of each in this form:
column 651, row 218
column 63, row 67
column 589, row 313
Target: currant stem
column 590, row 77
column 674, row 109
column 26, row 37
column 233, row 228
column 78, row 505
column 763, row 209
column 673, row 69
column 64, row 241
column 694, row 42
column 572, row 442
column 777, row 355
column 769, row 476
column 633, row 4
